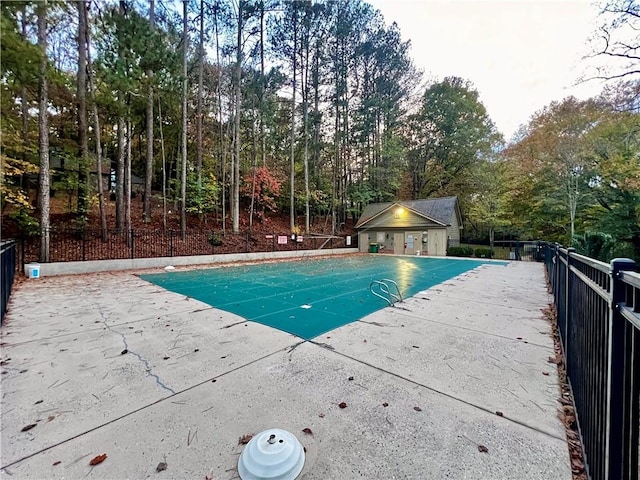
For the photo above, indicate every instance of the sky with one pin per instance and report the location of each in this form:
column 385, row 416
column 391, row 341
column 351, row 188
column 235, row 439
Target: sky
column 520, row 54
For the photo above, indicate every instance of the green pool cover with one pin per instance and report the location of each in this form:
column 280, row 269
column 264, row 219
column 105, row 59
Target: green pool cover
column 309, row 297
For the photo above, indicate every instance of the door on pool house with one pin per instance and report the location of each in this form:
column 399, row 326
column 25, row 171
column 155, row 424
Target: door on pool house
column 398, row 243
column 413, row 241
column 437, row 242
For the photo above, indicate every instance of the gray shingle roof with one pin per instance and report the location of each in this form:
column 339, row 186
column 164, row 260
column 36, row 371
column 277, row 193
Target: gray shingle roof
column 440, row 209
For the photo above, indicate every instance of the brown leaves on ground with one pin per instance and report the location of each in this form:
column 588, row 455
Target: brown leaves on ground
column 417, row 409
column 244, row 439
column 500, row 414
column 28, row 427
column 483, row 449
column 342, row 405
column 161, row 466
column 58, row 462
column 385, row 404
column 546, row 374
column 97, row 460
column 308, row 431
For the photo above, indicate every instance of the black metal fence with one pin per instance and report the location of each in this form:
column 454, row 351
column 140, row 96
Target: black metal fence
column 83, row 245
column 8, row 267
column 598, row 307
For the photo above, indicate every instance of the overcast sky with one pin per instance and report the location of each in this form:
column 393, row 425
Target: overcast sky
column 520, row 54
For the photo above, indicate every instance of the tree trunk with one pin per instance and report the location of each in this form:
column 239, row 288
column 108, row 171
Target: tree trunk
column 199, row 103
column 235, row 175
column 148, row 177
column 43, row 135
column 96, row 123
column 120, row 173
column 292, row 179
column 183, row 178
column 263, row 87
column 305, row 120
column 24, row 103
column 164, row 170
column 127, row 210
column 222, row 147
column 81, row 98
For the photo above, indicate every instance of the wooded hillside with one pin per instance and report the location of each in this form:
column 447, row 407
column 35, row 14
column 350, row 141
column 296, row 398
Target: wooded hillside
column 308, row 109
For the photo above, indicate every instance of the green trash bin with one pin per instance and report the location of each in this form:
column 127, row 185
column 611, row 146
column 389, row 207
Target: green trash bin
column 373, row 248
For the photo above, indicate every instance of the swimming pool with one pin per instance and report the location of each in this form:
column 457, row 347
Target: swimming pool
column 312, row 296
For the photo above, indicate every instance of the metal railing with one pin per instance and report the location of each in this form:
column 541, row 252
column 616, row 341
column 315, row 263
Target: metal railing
column 598, row 314
column 8, row 267
column 68, row 245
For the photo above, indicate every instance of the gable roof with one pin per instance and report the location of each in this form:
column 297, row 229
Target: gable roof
column 440, row 210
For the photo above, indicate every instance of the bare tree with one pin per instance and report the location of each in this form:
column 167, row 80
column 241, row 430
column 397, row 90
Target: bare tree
column 81, row 100
column 183, row 179
column 43, row 136
column 235, row 171
column 199, row 100
column 96, row 123
column 149, row 164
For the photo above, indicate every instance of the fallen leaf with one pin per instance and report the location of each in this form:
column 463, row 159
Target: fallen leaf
column 305, row 449
column 342, row 405
column 483, row 449
column 51, row 417
column 500, row 414
column 321, row 415
column 417, row 409
column 385, row 404
column 308, row 431
column 39, row 401
column 57, row 463
column 28, row 427
column 161, row 466
column 166, row 358
column 415, row 346
column 243, row 440
column 350, row 378
column 124, row 351
column 365, row 340
column 518, row 338
column 98, row 459
column 545, row 374
column 197, row 350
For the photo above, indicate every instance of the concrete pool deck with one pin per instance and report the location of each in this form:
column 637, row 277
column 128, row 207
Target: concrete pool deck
column 422, row 383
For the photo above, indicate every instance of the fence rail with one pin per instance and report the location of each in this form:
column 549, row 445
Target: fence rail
column 83, row 245
column 598, row 307
column 8, row 267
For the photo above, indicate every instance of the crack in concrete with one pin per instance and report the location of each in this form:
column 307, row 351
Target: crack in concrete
column 142, row 359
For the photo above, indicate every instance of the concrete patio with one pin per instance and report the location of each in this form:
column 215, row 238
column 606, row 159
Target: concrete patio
column 108, row 363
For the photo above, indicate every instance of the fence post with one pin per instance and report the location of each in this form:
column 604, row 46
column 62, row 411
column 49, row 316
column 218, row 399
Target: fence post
column 619, row 416
column 567, row 305
column 84, row 245
column 273, row 242
column 171, row 243
column 133, row 236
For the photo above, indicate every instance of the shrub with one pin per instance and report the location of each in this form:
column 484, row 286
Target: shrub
column 215, row 240
column 483, row 252
column 459, row 251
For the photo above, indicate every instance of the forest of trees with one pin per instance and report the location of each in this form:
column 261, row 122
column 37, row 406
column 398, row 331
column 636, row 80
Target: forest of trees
column 307, row 108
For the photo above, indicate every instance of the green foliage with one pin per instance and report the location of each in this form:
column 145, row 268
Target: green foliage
column 482, row 252
column 202, row 197
column 25, row 222
column 598, row 245
column 460, row 251
column 215, row 240
column 450, row 133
